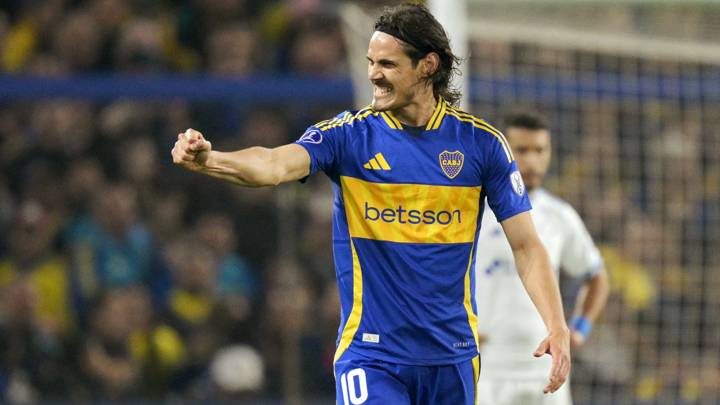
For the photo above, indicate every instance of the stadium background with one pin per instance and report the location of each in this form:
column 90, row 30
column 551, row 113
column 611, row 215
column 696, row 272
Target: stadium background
column 123, row 278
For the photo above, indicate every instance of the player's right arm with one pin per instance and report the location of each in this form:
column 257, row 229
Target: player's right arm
column 251, row 167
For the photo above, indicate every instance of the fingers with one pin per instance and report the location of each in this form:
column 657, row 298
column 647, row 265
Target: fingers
column 195, row 141
column 558, row 346
column 559, row 371
column 558, row 374
column 188, row 145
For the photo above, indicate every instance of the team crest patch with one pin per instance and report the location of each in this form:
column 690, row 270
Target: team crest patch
column 451, row 163
column 517, row 183
column 311, row 136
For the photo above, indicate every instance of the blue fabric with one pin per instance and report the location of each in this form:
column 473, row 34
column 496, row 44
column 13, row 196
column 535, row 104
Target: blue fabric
column 359, row 378
column 413, row 294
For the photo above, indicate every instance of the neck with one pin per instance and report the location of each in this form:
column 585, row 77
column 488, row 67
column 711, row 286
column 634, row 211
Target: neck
column 419, row 111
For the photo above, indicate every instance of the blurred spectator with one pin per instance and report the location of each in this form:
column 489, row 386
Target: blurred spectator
column 140, row 47
column 84, row 177
column 110, row 367
column 64, row 128
column 236, row 281
column 138, row 167
column 37, row 269
column 233, row 51
column 110, row 247
column 36, row 318
column 205, row 318
column 286, row 318
column 316, row 48
column 78, row 41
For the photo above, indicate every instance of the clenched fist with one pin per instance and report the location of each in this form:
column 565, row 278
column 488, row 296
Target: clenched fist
column 191, row 150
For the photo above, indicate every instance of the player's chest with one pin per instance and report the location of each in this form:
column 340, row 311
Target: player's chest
column 419, row 157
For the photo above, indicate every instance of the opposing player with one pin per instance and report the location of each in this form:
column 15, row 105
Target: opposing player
column 409, row 174
column 508, row 323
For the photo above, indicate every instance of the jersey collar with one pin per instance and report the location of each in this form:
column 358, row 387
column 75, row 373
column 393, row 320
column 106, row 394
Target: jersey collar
column 434, row 122
column 437, row 116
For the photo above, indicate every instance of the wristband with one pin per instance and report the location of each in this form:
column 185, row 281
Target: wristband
column 581, row 325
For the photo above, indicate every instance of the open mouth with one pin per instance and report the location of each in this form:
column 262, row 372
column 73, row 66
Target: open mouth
column 379, row 91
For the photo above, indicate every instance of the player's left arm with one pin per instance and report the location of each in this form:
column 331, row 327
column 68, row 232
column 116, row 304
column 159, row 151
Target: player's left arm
column 533, row 266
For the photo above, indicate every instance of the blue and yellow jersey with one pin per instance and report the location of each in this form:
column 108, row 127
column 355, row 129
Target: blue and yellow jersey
column 407, row 210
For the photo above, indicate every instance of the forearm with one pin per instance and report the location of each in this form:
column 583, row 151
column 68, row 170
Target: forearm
column 593, row 296
column 251, row 167
column 539, row 280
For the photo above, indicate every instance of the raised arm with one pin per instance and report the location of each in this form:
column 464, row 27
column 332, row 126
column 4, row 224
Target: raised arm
column 251, row 167
column 533, row 266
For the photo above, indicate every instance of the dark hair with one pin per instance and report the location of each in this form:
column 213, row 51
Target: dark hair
column 524, row 118
column 420, row 34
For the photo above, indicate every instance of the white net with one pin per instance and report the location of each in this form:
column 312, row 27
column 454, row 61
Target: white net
column 635, row 115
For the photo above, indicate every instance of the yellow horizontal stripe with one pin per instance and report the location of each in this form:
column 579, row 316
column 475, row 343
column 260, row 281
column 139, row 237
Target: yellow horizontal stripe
column 411, row 213
column 353, row 321
column 508, row 153
column 383, row 163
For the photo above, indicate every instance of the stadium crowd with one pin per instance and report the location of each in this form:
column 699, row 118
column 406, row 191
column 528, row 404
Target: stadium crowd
column 122, row 277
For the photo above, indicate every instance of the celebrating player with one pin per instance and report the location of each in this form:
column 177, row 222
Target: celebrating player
column 508, row 323
column 410, row 173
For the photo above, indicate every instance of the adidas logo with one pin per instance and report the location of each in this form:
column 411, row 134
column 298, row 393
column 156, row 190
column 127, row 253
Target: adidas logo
column 377, row 163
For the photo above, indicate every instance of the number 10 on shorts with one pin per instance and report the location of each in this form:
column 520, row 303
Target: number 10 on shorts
column 354, row 387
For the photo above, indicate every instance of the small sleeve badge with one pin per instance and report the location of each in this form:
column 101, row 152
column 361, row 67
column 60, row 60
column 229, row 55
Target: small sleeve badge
column 517, row 183
column 311, row 136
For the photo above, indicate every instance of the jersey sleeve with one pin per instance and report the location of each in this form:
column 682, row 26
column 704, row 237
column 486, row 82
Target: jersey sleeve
column 503, row 184
column 323, row 142
column 579, row 256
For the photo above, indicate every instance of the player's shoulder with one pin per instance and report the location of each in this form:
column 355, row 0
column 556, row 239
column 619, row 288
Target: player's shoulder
column 548, row 202
column 347, row 119
column 484, row 133
column 477, row 126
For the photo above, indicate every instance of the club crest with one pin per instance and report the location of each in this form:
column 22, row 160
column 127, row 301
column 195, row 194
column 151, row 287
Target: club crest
column 451, row 163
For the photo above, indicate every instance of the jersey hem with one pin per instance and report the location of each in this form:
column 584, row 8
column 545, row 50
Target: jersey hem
column 513, row 213
column 310, row 169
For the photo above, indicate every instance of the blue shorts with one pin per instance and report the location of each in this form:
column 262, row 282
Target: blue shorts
column 362, row 380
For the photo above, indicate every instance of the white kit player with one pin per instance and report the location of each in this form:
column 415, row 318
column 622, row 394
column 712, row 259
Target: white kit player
column 508, row 324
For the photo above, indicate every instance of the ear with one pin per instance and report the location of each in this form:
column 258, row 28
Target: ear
column 430, row 64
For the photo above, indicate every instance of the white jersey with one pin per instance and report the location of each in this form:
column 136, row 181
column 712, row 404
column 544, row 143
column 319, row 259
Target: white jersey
column 506, row 315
